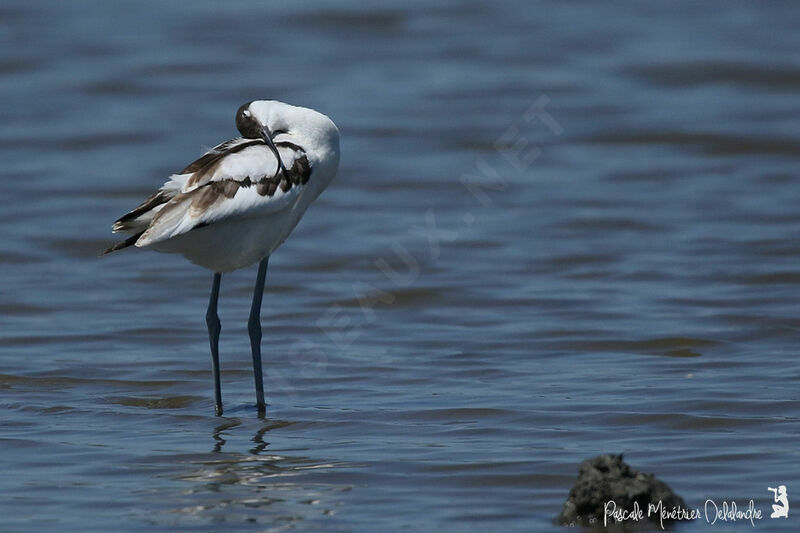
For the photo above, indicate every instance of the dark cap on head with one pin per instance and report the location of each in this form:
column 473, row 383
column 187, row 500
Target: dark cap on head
column 246, row 123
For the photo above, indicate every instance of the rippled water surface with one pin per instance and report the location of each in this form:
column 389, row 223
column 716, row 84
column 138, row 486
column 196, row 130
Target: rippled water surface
column 559, row 229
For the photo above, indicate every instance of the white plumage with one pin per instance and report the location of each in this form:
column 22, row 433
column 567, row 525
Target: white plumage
column 194, row 216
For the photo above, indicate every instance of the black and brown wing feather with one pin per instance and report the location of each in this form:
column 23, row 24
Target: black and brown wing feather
column 200, row 186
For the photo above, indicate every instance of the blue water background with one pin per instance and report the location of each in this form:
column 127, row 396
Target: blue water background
column 559, row 229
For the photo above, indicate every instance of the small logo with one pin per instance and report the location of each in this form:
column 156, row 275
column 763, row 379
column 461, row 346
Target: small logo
column 781, row 510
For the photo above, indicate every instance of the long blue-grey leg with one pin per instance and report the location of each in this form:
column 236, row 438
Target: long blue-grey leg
column 214, row 327
column 254, row 328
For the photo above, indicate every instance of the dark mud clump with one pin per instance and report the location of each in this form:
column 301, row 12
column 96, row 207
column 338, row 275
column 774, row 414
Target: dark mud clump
column 609, row 493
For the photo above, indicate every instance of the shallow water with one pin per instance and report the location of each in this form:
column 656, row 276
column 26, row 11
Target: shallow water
column 559, row 229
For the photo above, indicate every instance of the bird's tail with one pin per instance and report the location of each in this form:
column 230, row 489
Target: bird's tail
column 123, row 244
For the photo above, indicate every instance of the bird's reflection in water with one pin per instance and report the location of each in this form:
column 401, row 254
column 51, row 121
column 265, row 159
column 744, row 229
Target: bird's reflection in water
column 254, row 485
column 258, row 439
column 219, row 441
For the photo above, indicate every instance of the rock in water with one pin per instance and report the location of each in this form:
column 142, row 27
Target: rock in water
column 607, row 482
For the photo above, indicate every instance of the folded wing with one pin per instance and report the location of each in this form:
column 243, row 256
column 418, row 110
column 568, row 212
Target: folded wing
column 237, row 178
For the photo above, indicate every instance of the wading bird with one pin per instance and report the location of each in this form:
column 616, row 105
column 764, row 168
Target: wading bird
column 237, row 203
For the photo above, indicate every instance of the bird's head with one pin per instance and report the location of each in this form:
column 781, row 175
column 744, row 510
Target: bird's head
column 269, row 120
